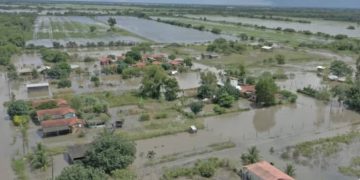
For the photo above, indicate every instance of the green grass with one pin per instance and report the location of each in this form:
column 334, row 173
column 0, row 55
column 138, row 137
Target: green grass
column 325, row 146
column 353, row 169
column 19, row 167
column 222, row 145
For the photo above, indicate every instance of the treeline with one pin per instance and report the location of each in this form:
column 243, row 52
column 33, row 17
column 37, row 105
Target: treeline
column 14, row 31
column 73, row 44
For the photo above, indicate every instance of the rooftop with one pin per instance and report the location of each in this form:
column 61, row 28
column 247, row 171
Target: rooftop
column 59, row 102
column 45, row 84
column 60, row 122
column 265, row 171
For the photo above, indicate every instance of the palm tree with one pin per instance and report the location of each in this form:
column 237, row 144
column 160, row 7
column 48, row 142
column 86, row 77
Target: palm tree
column 39, row 159
column 290, row 170
column 251, row 157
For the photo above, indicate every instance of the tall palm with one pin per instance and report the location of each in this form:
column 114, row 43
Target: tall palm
column 290, row 170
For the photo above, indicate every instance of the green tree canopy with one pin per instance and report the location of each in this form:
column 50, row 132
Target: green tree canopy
column 171, row 89
column 266, row 90
column 196, row 107
column 18, row 108
column 111, row 22
column 340, row 68
column 54, row 56
column 109, row 152
column 352, row 98
column 208, row 86
column 79, row 172
column 251, row 157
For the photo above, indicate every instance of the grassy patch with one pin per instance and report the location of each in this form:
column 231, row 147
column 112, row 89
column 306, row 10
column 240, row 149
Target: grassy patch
column 19, row 167
column 222, row 145
column 56, row 150
column 325, row 146
column 353, row 169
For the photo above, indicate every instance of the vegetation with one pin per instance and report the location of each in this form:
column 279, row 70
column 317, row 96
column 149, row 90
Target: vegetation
column 60, row 71
column 196, row 107
column 64, row 83
column 340, row 68
column 79, row 172
column 322, row 94
column 226, row 47
column 352, row 96
column 18, row 108
column 353, row 169
column 251, row 157
column 54, row 56
column 123, row 174
column 290, row 170
column 19, row 167
column 39, row 159
column 265, row 91
column 208, row 86
column 109, row 152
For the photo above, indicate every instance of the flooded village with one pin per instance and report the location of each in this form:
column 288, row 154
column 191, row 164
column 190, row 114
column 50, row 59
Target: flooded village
column 128, row 91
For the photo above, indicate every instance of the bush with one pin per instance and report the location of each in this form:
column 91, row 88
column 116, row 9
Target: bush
column 144, row 117
column 206, row 169
column 89, row 59
column 196, row 107
column 219, row 110
column 161, row 116
column 18, row 108
column 288, row 96
column 64, row 83
column 20, row 120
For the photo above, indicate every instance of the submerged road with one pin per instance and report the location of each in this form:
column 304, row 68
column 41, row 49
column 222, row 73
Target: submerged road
column 7, row 147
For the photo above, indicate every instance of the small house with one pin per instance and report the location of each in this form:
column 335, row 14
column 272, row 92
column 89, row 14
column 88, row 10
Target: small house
column 263, row 171
column 140, row 65
column 210, row 56
column 176, row 62
column 156, row 63
column 105, row 61
column 60, row 126
column 76, row 152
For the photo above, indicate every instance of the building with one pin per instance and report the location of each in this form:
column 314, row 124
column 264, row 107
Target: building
column 105, row 61
column 263, row 171
column 56, row 113
column 140, row 65
column 60, row 126
column 76, row 152
column 210, row 56
column 37, row 88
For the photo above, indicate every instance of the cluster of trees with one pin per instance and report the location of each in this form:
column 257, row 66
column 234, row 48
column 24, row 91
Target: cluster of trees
column 340, row 68
column 54, row 56
column 188, row 25
column 224, row 96
column 221, row 45
column 266, row 90
column 72, row 44
column 108, row 155
column 156, row 82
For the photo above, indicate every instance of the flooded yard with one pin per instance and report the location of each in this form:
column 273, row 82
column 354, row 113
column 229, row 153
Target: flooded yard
column 329, row 27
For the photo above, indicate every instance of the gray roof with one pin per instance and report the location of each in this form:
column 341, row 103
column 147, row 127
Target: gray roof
column 55, row 129
column 77, row 151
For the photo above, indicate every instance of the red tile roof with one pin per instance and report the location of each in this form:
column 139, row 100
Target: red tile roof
column 265, row 171
column 156, row 63
column 247, row 88
column 53, row 112
column 176, row 62
column 61, row 122
column 59, row 102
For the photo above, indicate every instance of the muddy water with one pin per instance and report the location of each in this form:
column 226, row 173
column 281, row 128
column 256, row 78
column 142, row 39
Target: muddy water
column 27, row 61
column 188, row 80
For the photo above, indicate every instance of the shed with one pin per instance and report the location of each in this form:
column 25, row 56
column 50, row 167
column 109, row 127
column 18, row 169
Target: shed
column 267, row 48
column 76, row 152
column 37, row 85
column 61, row 126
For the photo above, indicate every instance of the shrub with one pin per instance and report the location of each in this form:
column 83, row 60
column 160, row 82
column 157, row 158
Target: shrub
column 20, row 120
column 161, row 116
column 144, row 117
column 64, row 83
column 219, row 110
column 196, row 107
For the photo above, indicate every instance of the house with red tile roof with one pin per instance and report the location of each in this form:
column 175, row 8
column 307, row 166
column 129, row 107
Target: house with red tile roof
column 176, row 62
column 156, row 63
column 140, row 65
column 105, row 61
column 247, row 89
column 263, row 171
column 60, row 126
column 56, row 113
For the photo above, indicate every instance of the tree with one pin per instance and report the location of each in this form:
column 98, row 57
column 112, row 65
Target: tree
column 123, row 174
column 196, row 107
column 109, row 152
column 225, row 100
column 251, row 157
column 64, row 83
column 265, row 91
column 39, row 159
column 172, row 56
column 79, row 172
column 280, row 59
column 290, row 170
column 358, row 69
column 112, row 22
column 18, row 108
column 59, row 71
column 92, row 29
column 188, row 62
column 171, row 89
column 34, row 74
column 142, row 47
column 353, row 96
column 153, row 81
column 134, row 55
column 340, row 68
column 216, row 30
column 208, row 85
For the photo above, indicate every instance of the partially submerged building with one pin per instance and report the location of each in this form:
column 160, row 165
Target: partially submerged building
column 56, row 113
column 76, row 152
column 60, row 126
column 263, row 171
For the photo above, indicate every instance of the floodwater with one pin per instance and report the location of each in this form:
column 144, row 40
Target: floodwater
column 329, row 27
column 27, row 61
column 169, row 34
column 188, row 80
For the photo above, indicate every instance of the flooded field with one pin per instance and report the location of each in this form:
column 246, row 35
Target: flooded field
column 329, row 27
column 169, row 34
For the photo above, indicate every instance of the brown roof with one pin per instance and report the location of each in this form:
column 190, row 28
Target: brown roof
column 53, row 112
column 59, row 102
column 247, row 88
column 60, row 122
column 140, row 64
column 156, row 63
column 176, row 62
column 265, row 171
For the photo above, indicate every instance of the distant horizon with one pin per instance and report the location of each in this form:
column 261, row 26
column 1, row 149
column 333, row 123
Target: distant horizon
column 353, row 4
